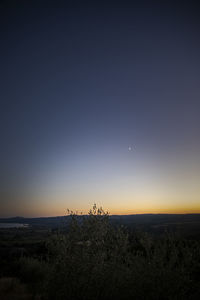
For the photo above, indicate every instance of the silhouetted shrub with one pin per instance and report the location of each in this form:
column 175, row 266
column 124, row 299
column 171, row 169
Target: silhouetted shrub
column 95, row 260
column 86, row 262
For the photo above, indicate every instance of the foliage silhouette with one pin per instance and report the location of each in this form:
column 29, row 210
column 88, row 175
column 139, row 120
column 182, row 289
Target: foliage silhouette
column 96, row 260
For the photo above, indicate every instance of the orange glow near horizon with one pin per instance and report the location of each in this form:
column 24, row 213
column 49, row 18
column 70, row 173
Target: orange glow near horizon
column 132, row 185
column 59, row 208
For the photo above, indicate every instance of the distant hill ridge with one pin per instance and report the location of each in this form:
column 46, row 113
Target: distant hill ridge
column 145, row 219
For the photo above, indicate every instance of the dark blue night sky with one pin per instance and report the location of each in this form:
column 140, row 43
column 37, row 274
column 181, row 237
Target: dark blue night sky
column 100, row 102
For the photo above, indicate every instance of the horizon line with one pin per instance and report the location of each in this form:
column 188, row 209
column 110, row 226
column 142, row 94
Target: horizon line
column 136, row 214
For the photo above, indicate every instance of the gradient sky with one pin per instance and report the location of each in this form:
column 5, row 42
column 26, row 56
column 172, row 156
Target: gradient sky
column 81, row 83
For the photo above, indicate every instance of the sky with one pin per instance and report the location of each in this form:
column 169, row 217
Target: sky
column 100, row 103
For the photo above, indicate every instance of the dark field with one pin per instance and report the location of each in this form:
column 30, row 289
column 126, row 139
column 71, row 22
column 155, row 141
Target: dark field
column 101, row 257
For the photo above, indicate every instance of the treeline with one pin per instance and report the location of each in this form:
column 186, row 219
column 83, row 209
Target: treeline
column 94, row 259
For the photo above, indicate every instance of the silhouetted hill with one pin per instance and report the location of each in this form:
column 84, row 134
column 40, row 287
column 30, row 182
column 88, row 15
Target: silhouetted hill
column 187, row 224
column 42, row 221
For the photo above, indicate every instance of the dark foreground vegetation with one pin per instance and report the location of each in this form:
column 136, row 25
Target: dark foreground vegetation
column 93, row 258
